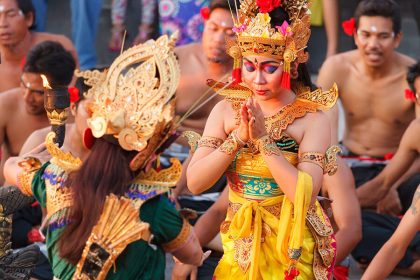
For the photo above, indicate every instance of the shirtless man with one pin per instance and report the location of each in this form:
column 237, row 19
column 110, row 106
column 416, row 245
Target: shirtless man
column 199, row 62
column 372, row 82
column 406, row 239
column 16, row 39
column 22, row 109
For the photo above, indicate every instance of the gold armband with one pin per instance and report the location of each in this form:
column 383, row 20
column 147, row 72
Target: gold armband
column 210, row 142
column 267, row 146
column 30, row 166
column 230, row 146
column 313, row 157
column 181, row 240
column 327, row 162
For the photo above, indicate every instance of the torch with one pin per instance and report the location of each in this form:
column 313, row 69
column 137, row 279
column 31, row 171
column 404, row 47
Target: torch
column 56, row 102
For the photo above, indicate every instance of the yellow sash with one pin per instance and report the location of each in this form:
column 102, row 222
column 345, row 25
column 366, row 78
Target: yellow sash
column 250, row 216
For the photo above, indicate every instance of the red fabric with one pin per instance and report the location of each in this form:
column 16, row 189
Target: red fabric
column 267, row 6
column 349, row 26
column 36, row 203
column 285, row 80
column 205, row 13
column 341, row 272
column 292, row 274
column 237, row 76
column 388, row 156
column 88, row 139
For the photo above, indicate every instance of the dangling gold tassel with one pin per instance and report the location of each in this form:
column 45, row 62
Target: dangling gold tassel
column 285, row 77
column 235, row 52
column 288, row 57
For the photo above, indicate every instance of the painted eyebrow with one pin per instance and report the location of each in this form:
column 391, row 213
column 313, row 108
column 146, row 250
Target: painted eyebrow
column 263, row 63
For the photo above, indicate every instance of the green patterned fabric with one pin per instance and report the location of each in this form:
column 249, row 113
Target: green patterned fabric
column 138, row 260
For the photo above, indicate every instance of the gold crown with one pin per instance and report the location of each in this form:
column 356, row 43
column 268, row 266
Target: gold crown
column 255, row 36
column 131, row 101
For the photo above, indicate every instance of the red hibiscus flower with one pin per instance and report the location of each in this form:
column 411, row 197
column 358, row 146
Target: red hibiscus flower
column 409, row 95
column 267, row 6
column 205, row 13
column 349, row 26
column 74, row 94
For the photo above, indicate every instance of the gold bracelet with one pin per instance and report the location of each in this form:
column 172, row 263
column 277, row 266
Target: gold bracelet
column 313, row 157
column 230, row 146
column 267, row 146
column 30, row 166
column 210, row 142
column 237, row 138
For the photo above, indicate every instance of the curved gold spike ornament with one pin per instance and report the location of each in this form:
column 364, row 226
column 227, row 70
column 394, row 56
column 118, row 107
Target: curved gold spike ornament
column 66, row 161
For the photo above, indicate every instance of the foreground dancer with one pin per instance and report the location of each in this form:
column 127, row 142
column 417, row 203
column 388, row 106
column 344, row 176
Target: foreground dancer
column 101, row 211
column 270, row 139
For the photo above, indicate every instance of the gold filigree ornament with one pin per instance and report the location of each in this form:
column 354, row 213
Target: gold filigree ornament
column 131, row 101
column 118, row 226
column 331, row 165
column 255, row 36
column 57, row 118
column 66, row 161
column 168, row 177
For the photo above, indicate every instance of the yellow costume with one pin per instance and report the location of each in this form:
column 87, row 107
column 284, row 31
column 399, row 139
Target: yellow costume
column 265, row 235
column 262, row 223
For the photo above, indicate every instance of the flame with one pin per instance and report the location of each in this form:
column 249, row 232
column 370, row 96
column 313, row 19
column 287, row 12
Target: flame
column 45, row 82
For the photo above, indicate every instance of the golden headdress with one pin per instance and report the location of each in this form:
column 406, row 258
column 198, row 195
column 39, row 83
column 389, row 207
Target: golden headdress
column 256, row 36
column 133, row 100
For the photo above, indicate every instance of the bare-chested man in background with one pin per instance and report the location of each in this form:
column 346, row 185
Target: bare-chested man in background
column 199, row 62
column 372, row 82
column 16, row 39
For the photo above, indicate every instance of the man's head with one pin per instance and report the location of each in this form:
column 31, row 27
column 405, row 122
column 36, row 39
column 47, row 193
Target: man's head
column 378, row 24
column 52, row 60
column 16, row 18
column 217, row 28
column 413, row 79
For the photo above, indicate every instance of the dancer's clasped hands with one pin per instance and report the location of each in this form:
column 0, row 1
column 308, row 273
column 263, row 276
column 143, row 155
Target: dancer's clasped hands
column 252, row 125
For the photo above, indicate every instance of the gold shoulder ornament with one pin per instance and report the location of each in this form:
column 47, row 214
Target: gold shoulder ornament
column 118, row 226
column 66, row 161
column 305, row 102
column 153, row 183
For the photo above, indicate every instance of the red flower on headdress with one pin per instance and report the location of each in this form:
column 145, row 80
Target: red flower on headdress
column 267, row 6
column 349, row 26
column 410, row 95
column 74, row 94
column 205, row 13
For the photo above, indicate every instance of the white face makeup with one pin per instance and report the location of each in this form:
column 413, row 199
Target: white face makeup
column 373, row 28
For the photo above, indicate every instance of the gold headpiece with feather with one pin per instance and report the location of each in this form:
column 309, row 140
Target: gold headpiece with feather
column 133, row 99
column 256, row 36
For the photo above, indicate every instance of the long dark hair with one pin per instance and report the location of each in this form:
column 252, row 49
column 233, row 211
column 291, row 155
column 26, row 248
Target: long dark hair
column 105, row 171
